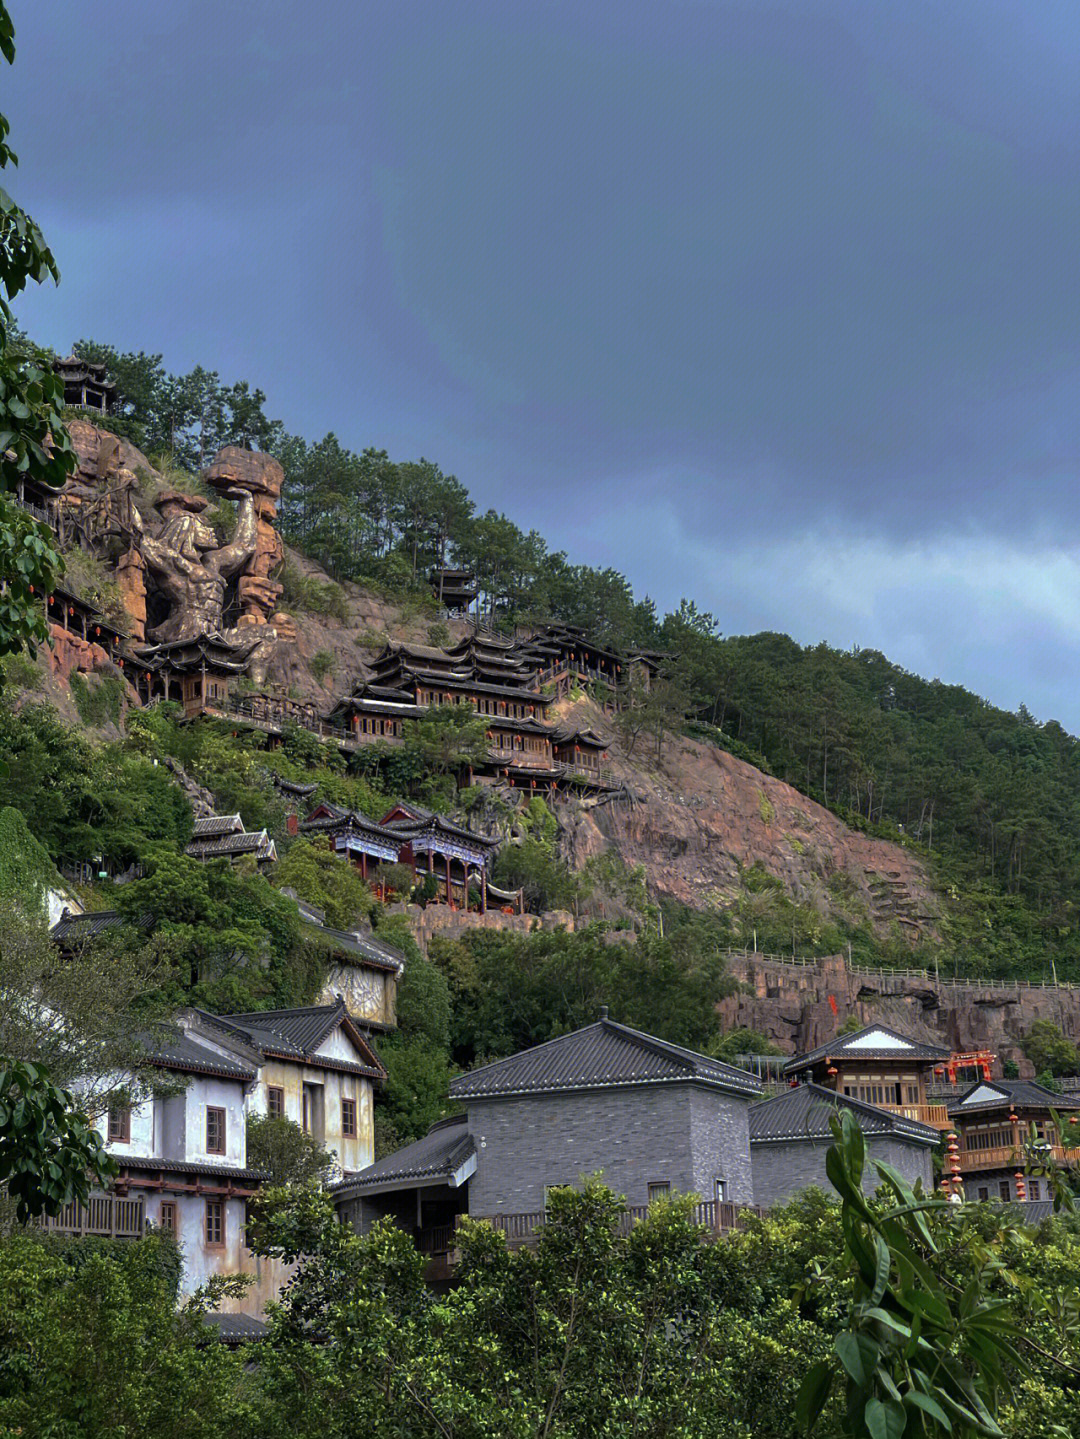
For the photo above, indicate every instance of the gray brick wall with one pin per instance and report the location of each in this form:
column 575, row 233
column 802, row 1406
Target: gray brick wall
column 993, row 1178
column 783, row 1168
column 680, row 1133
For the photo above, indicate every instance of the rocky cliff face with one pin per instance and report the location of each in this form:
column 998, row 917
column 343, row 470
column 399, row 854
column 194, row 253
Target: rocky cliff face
column 700, row 815
column 799, row 1006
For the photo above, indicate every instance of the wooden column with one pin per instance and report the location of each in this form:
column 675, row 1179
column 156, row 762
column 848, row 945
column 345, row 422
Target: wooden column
column 449, row 890
column 483, row 889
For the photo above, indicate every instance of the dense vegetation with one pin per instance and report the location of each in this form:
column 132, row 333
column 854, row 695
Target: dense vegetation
column 601, row 1331
column 990, row 797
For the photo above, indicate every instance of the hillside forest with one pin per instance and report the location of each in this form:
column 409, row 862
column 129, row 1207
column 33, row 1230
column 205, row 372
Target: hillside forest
column 991, row 799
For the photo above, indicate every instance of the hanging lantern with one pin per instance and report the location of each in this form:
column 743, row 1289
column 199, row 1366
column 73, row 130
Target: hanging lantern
column 1021, row 1187
column 832, row 1071
column 939, row 1069
column 1014, row 1118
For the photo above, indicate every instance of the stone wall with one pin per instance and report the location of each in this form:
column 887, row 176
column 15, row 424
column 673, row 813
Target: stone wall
column 799, row 1006
column 633, row 1137
column 438, row 919
column 784, row 1167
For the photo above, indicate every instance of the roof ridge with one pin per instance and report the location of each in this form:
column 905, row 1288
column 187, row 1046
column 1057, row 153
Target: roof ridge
column 668, row 1049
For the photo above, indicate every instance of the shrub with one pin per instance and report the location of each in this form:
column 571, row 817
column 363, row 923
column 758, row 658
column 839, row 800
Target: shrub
column 322, row 664
column 98, row 703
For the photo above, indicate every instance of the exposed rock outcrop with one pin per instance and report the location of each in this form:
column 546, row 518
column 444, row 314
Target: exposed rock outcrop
column 236, row 469
column 701, row 815
column 799, row 1006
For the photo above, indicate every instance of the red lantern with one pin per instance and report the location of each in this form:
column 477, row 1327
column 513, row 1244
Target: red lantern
column 1021, row 1187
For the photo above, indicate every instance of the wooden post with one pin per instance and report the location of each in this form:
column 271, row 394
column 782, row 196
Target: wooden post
column 483, row 889
column 449, row 890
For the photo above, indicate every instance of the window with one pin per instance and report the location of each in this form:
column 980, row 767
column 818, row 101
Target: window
column 659, row 1189
column 215, row 1224
column 1003, row 1190
column 215, row 1130
column 306, row 1114
column 984, row 1193
column 348, row 1118
column 120, row 1124
column 720, row 1191
column 275, row 1101
column 1033, row 1189
column 168, row 1215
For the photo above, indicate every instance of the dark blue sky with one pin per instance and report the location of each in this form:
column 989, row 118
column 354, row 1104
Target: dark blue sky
column 776, row 305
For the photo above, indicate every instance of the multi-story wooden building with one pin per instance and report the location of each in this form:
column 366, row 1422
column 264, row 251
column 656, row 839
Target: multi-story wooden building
column 1004, row 1128
column 456, row 859
column 880, row 1067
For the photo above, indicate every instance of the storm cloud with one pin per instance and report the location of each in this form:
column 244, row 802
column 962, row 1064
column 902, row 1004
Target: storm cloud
column 772, row 304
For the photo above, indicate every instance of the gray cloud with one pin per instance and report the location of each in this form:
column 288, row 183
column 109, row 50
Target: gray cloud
column 733, row 275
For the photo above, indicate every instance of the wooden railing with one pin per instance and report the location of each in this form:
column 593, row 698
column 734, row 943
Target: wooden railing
column 106, row 1215
column 716, row 1216
column 936, row 1115
column 1011, row 1156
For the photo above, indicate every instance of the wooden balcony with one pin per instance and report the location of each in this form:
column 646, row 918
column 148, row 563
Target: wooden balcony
column 936, row 1115
column 1012, row 1156
column 105, row 1215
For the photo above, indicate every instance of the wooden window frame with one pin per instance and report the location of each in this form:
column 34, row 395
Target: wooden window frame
column 349, row 1128
column 167, row 1216
column 1006, row 1198
column 212, row 1109
column 720, row 1190
column 122, row 1113
column 275, row 1101
column 218, row 1243
column 657, row 1189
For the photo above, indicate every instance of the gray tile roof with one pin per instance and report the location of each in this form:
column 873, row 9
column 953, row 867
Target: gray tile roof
column 212, row 825
column 1006, row 1094
column 442, row 1151
column 171, row 1048
column 72, row 929
column 875, row 1041
column 603, row 1055
column 179, row 1166
column 297, row 1034
column 804, row 1113
column 237, row 1328
column 256, row 842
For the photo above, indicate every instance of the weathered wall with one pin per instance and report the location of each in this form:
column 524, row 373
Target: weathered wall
column 783, row 1168
column 793, row 1005
column 350, row 1153
column 675, row 1133
column 438, row 919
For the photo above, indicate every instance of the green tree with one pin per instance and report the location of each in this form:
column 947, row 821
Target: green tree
column 285, row 1152
column 34, row 444
column 49, row 1152
column 93, row 1345
column 1048, row 1049
column 447, row 739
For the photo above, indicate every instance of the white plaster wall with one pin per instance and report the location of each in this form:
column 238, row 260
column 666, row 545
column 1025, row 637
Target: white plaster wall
column 338, row 1045
column 363, row 990
column 200, row 1262
column 144, row 1132
column 349, row 1154
column 207, row 1090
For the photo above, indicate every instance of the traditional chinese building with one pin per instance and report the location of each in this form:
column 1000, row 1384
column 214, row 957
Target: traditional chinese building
column 223, row 836
column 195, row 673
column 86, row 384
column 880, row 1067
column 455, row 858
column 456, row 589
column 1004, row 1127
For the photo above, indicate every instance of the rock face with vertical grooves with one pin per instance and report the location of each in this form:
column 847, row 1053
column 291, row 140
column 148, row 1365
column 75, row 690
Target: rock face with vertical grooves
column 700, row 815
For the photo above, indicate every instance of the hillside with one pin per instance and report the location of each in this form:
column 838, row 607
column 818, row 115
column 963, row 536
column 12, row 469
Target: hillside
column 978, row 810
